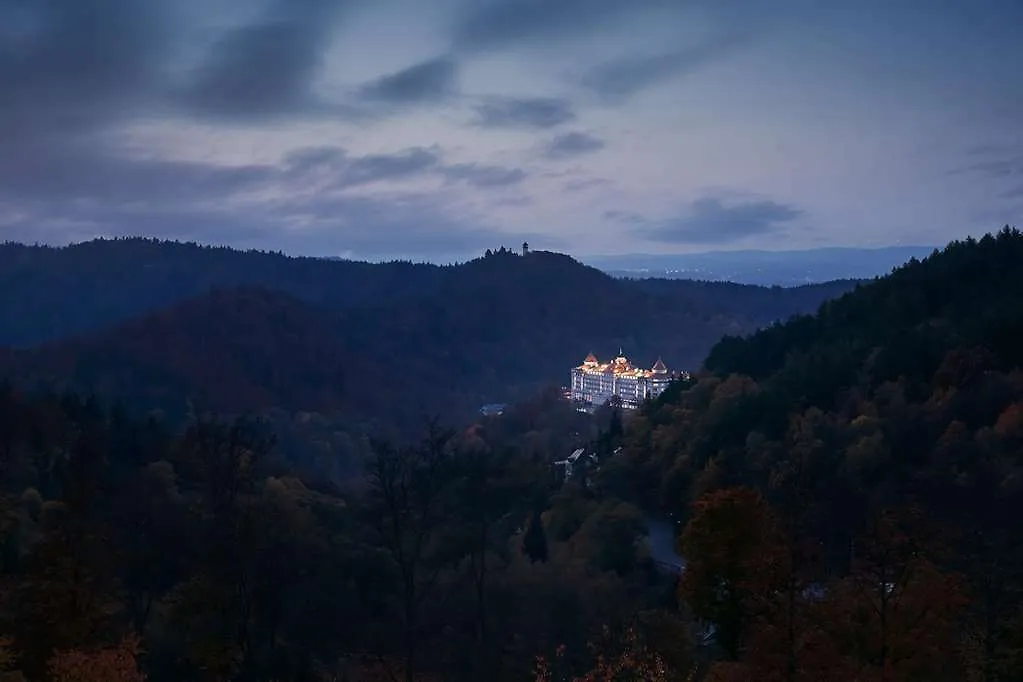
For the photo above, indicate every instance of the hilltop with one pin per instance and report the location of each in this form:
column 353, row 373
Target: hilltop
column 51, row 293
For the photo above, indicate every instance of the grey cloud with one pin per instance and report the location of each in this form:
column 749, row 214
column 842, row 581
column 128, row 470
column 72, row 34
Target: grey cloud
column 627, row 217
column 500, row 23
column 530, row 112
column 582, row 184
column 484, row 176
column 1000, row 166
column 78, row 170
column 256, row 71
column 710, row 221
column 997, row 160
column 620, row 79
column 267, row 68
column 338, row 170
column 96, row 175
column 415, row 161
column 84, row 193
column 311, row 158
column 427, row 81
column 377, row 167
column 573, row 144
column 996, row 168
column 399, row 224
column 75, row 63
column 391, row 225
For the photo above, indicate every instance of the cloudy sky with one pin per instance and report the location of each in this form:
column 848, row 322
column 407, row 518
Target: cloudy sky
column 438, row 128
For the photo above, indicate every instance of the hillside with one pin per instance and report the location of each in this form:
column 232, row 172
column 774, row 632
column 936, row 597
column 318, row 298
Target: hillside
column 849, row 511
column 497, row 328
column 49, row 294
column 938, row 338
column 886, row 428
column 228, row 351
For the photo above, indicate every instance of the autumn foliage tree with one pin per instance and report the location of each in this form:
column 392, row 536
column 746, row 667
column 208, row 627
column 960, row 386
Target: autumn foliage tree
column 632, row 661
column 735, row 562
column 895, row 617
column 111, row 664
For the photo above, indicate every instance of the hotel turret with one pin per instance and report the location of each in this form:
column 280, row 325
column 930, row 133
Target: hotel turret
column 594, row 382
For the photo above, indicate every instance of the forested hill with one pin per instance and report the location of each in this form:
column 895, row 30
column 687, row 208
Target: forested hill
column 968, row 294
column 320, row 336
column 51, row 293
column 881, row 440
column 225, row 352
column 936, row 342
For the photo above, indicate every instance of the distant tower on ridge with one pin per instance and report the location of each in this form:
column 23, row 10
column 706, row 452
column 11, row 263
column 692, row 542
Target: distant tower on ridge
column 525, row 248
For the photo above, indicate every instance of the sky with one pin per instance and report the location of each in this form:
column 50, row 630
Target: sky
column 436, row 129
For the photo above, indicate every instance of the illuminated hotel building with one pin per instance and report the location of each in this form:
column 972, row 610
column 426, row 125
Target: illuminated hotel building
column 594, row 383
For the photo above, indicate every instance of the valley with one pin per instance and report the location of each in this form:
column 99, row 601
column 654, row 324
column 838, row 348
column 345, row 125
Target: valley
column 221, row 473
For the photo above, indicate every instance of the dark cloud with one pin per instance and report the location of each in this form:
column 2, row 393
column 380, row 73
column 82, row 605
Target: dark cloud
column 500, row 23
column 256, row 71
column 484, row 176
column 267, row 68
column 378, row 167
column 573, row 144
column 344, row 171
column 312, row 158
column 80, row 170
column 711, row 221
column 427, row 81
column 69, row 65
column 620, row 79
column 529, row 112
column 306, row 203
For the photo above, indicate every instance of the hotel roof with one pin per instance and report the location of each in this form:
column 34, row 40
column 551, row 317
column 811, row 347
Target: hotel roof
column 620, row 366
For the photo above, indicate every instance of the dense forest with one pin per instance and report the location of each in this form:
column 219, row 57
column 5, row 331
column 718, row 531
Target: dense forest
column 844, row 488
column 191, row 556
column 50, row 293
column 341, row 347
column 852, row 479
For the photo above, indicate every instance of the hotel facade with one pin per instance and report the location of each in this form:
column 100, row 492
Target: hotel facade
column 594, row 382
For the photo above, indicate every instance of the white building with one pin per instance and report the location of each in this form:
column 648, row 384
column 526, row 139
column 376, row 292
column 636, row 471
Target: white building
column 594, row 383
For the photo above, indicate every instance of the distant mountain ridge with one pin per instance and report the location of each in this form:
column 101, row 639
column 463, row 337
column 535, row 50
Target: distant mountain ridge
column 49, row 293
column 765, row 268
column 230, row 331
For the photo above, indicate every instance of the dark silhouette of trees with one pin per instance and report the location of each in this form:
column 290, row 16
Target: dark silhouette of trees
column 534, row 541
column 411, row 489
